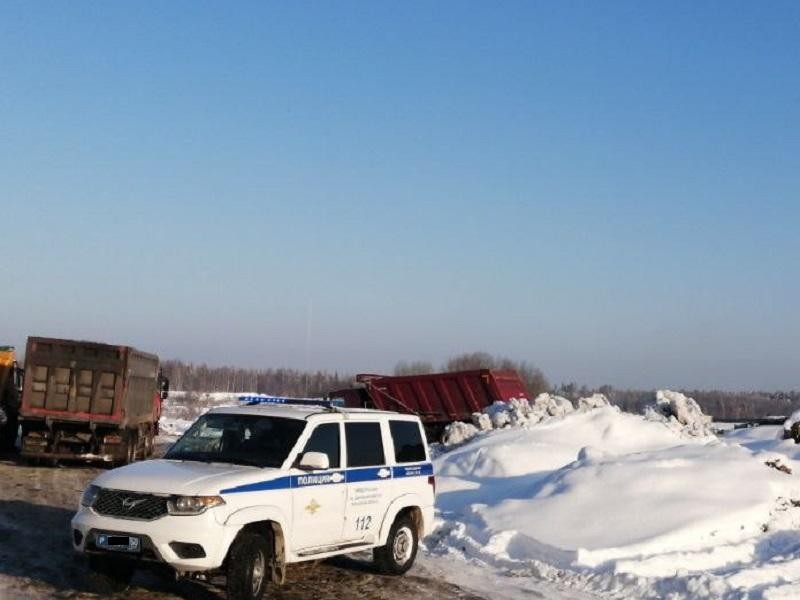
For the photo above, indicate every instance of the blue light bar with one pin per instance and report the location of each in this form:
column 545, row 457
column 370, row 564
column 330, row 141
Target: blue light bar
column 253, row 400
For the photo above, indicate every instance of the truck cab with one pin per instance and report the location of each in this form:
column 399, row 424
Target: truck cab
column 248, row 490
column 10, row 390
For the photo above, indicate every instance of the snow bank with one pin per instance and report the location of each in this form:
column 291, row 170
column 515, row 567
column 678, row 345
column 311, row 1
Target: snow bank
column 791, row 427
column 553, row 444
column 681, row 413
column 593, row 401
column 518, row 413
column 679, row 499
column 458, row 432
column 608, row 501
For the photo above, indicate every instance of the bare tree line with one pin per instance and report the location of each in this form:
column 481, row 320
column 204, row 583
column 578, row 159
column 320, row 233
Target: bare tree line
column 722, row 405
column 532, row 377
column 190, row 377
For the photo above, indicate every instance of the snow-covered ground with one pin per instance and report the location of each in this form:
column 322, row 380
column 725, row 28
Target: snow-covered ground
column 624, row 506
column 542, row 498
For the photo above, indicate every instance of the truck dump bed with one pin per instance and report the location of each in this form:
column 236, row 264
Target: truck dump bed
column 438, row 398
column 87, row 381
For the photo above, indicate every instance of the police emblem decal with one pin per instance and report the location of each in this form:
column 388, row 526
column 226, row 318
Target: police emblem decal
column 312, row 507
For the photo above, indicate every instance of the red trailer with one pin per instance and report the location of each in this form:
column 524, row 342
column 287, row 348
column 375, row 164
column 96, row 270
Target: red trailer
column 438, row 398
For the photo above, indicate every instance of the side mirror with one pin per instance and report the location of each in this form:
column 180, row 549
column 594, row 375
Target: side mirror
column 164, row 387
column 314, row 461
column 19, row 377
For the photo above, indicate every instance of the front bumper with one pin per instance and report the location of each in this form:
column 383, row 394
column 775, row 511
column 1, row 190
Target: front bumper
column 160, row 537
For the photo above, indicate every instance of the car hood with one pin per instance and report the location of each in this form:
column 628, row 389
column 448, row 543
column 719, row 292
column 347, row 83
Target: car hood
column 163, row 476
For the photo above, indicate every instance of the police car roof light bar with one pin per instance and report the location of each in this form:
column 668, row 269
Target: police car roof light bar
column 254, row 400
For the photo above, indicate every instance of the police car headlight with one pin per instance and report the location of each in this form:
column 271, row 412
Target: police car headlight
column 90, row 495
column 192, row 505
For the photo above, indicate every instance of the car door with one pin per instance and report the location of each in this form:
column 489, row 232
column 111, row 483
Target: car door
column 318, row 497
column 412, row 471
column 369, row 480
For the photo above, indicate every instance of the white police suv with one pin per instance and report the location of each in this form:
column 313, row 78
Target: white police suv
column 247, row 490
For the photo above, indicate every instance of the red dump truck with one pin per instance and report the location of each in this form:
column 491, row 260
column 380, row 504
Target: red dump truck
column 91, row 401
column 438, row 398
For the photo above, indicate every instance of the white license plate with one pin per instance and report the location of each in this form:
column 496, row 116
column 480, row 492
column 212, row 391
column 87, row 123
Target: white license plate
column 118, row 543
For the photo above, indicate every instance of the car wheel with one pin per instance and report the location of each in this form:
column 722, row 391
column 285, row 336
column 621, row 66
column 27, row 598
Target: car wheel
column 110, row 575
column 248, row 567
column 397, row 556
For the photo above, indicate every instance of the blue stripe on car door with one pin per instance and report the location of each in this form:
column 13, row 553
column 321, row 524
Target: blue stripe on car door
column 350, row 476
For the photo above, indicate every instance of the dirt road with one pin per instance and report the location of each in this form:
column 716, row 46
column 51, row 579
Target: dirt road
column 37, row 561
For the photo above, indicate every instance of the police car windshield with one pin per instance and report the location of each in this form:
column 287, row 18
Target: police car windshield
column 238, row 439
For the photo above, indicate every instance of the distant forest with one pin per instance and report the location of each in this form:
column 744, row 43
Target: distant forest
column 190, row 377
column 722, row 405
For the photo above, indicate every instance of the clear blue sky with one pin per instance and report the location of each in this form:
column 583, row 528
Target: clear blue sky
column 610, row 190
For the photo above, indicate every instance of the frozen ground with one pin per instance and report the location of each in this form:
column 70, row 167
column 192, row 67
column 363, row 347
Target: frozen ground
column 37, row 561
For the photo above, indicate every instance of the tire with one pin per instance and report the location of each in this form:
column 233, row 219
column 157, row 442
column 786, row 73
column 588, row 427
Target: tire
column 248, row 567
column 397, row 556
column 110, row 575
column 129, row 442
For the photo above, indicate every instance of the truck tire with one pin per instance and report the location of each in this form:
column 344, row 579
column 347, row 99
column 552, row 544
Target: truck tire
column 110, row 574
column 128, row 450
column 397, row 556
column 248, row 567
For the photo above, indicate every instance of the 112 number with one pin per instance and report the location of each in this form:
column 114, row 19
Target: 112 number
column 363, row 523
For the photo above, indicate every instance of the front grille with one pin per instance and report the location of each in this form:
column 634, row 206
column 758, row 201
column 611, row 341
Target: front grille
column 130, row 505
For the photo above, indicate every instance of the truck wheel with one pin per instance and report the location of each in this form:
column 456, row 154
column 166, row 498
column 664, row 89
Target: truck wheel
column 248, row 567
column 110, row 575
column 397, row 556
column 129, row 442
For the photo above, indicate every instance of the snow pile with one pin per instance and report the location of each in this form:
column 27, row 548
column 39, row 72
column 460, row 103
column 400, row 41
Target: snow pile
column 550, row 405
column 552, row 444
column 681, row 413
column 458, row 432
column 791, row 427
column 520, row 412
column 593, row 401
column 517, row 412
column 610, row 502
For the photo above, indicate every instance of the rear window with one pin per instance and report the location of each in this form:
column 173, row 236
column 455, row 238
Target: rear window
column 408, row 444
column 364, row 444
